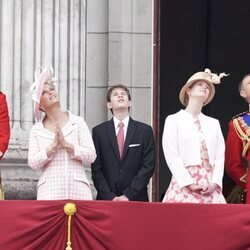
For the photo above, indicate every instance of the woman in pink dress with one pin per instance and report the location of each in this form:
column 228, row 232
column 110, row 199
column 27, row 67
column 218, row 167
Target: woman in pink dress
column 59, row 144
column 194, row 146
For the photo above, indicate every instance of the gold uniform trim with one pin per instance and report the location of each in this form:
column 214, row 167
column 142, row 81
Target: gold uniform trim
column 244, row 136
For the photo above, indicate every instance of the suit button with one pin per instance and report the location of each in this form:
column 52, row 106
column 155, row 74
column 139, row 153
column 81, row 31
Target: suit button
column 117, row 185
column 120, row 170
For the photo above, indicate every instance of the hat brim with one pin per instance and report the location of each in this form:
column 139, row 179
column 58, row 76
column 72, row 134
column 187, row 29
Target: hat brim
column 184, row 97
column 42, row 80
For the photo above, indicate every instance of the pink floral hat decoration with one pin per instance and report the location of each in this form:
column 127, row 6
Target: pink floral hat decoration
column 42, row 76
column 207, row 76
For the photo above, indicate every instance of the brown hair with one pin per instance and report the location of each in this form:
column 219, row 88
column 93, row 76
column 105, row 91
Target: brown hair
column 117, row 86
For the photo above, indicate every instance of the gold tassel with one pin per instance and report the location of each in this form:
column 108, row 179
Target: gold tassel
column 69, row 209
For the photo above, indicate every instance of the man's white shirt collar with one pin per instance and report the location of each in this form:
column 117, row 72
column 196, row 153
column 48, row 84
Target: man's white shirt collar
column 125, row 122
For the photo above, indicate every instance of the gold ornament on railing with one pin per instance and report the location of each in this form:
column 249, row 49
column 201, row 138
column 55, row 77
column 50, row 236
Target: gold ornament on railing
column 69, row 209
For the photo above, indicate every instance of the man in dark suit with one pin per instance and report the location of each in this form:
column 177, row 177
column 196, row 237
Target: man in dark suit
column 125, row 152
column 4, row 125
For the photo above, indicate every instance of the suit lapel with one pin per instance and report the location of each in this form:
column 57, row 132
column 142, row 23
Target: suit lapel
column 112, row 137
column 130, row 133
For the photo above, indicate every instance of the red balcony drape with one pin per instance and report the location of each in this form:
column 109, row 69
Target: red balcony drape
column 124, row 226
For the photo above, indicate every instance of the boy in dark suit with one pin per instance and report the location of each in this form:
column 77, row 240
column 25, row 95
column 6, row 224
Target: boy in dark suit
column 125, row 152
column 4, row 125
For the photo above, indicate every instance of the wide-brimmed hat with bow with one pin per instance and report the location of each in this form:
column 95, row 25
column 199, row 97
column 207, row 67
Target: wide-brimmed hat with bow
column 42, row 76
column 205, row 76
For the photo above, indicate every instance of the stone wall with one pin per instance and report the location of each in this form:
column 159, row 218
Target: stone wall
column 91, row 45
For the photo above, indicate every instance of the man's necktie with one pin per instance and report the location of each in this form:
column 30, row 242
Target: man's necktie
column 120, row 138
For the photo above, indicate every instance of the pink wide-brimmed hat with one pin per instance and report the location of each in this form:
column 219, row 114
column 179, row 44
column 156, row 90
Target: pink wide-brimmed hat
column 42, row 76
column 205, row 76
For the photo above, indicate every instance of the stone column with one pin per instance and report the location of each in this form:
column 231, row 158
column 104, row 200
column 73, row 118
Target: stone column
column 130, row 49
column 97, row 61
column 91, row 45
column 34, row 33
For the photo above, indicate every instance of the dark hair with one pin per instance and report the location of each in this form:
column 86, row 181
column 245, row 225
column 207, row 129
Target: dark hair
column 241, row 82
column 117, row 86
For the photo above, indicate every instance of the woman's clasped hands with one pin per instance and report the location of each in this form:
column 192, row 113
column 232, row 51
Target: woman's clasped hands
column 203, row 189
column 59, row 141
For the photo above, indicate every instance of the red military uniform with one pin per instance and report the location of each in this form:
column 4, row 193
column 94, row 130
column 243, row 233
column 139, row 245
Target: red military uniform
column 4, row 124
column 237, row 155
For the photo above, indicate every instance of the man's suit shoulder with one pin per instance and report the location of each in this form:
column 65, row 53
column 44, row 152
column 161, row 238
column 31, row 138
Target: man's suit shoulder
column 101, row 125
column 142, row 124
column 143, row 127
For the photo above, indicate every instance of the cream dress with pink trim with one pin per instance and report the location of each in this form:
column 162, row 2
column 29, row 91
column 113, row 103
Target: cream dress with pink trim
column 202, row 175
